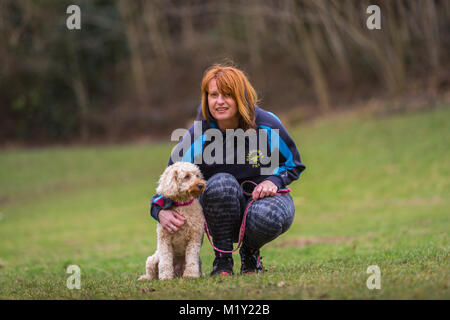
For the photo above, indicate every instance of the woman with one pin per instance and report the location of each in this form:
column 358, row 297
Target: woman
column 228, row 102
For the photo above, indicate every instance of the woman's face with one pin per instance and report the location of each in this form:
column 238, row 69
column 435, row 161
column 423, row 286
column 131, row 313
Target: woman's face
column 222, row 106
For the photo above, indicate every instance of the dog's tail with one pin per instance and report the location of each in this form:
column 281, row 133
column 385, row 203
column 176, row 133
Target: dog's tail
column 151, row 268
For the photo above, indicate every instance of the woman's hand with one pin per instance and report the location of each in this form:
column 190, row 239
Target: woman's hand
column 171, row 220
column 264, row 189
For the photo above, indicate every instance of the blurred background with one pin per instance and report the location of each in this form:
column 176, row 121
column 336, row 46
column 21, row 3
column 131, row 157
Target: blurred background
column 86, row 116
column 133, row 71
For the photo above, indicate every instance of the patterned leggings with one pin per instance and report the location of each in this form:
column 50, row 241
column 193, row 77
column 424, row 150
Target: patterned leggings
column 224, row 204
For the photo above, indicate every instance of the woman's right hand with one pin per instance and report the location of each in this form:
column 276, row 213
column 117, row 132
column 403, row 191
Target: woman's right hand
column 171, row 220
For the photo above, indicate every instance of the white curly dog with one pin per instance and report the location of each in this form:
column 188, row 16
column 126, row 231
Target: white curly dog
column 178, row 254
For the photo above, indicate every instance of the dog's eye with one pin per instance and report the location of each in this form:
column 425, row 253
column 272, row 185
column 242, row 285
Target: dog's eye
column 187, row 177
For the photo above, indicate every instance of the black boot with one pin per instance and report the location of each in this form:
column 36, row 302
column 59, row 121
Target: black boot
column 223, row 265
column 250, row 260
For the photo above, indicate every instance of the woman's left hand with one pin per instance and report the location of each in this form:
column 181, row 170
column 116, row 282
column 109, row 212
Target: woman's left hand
column 264, row 189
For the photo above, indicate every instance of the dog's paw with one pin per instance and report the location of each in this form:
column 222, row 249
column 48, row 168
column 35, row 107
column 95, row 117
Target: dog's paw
column 165, row 277
column 144, row 277
column 191, row 275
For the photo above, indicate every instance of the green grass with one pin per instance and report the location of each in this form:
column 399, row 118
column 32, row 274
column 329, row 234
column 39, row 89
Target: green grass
column 375, row 192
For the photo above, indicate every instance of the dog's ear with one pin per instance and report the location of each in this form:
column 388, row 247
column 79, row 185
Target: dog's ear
column 168, row 185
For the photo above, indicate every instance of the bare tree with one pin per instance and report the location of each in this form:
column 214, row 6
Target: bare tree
column 126, row 9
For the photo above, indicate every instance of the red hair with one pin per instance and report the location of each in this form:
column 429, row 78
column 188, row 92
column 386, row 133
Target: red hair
column 231, row 80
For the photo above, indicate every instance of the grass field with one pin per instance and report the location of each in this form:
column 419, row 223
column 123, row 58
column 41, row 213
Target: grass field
column 375, row 192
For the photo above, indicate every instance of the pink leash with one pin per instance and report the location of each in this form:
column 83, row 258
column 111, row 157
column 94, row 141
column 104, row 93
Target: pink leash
column 242, row 229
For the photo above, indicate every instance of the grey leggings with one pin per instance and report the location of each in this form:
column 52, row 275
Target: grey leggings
column 224, row 204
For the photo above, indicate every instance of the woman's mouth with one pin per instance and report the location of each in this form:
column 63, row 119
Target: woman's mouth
column 221, row 109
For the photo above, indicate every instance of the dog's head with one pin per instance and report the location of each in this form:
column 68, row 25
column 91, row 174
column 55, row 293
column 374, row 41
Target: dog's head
column 181, row 182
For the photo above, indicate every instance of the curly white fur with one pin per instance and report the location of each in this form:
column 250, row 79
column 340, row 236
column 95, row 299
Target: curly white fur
column 178, row 254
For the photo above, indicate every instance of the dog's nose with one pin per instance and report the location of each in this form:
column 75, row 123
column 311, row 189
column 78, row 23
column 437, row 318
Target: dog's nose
column 200, row 186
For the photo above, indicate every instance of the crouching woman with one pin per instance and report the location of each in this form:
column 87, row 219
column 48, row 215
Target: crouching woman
column 228, row 101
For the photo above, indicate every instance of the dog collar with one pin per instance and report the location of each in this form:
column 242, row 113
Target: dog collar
column 183, row 204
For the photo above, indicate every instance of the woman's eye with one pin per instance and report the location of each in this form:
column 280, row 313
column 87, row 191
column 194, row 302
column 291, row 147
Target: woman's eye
column 187, row 177
column 227, row 94
column 213, row 94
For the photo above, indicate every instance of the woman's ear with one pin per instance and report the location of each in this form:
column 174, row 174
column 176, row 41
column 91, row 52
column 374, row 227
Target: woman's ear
column 168, row 186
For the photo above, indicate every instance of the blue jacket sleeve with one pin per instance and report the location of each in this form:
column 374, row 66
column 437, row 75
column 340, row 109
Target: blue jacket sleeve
column 158, row 203
column 290, row 164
